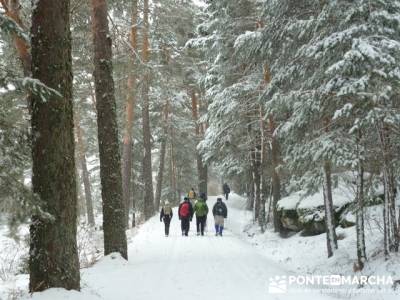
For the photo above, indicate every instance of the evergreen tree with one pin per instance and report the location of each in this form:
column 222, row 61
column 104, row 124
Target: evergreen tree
column 53, row 250
column 110, row 162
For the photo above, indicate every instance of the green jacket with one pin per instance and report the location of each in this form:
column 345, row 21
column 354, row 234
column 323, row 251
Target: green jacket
column 200, row 208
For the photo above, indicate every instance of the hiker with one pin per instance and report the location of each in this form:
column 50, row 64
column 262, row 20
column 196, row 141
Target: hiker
column 201, row 211
column 166, row 216
column 192, row 195
column 185, row 213
column 220, row 212
column 226, row 189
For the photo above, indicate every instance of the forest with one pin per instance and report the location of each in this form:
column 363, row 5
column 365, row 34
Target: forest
column 111, row 109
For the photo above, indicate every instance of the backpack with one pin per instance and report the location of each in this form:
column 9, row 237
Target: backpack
column 191, row 194
column 201, row 208
column 167, row 210
column 219, row 210
column 185, row 210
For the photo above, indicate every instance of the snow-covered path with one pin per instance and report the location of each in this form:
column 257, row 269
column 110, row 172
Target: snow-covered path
column 177, row 267
column 193, row 267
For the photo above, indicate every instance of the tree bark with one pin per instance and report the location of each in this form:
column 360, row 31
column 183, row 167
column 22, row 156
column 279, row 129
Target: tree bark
column 110, row 160
column 53, row 252
column 276, row 181
column 85, row 172
column 147, row 164
column 263, row 177
column 201, row 168
column 129, row 117
column 331, row 238
column 163, row 149
column 391, row 231
column 173, row 166
column 250, row 190
column 361, row 254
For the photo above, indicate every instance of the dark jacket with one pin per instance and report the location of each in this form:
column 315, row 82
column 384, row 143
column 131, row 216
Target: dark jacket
column 162, row 215
column 226, row 188
column 220, row 209
column 190, row 210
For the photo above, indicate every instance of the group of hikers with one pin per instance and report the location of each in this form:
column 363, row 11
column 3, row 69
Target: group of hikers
column 191, row 206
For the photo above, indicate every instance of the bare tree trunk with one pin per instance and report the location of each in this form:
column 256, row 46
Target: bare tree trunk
column 391, row 232
column 53, row 252
column 147, row 166
column 173, row 166
column 162, row 157
column 110, row 160
column 129, row 117
column 202, row 170
column 331, row 239
column 255, row 163
column 263, row 179
column 361, row 254
column 171, row 170
column 250, row 190
column 276, row 181
column 85, row 172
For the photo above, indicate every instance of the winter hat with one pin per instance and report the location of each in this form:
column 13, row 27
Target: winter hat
column 186, row 199
column 219, row 199
column 203, row 196
column 166, row 202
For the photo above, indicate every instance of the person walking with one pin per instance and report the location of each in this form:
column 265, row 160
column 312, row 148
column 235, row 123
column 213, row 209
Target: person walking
column 166, row 216
column 201, row 211
column 185, row 213
column 220, row 212
column 226, row 189
column 192, row 196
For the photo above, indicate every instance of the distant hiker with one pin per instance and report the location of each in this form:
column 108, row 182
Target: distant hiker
column 166, row 216
column 226, row 189
column 185, row 213
column 192, row 194
column 201, row 211
column 220, row 212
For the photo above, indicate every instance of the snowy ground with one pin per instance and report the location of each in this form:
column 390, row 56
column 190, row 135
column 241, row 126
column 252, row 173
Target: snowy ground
column 238, row 265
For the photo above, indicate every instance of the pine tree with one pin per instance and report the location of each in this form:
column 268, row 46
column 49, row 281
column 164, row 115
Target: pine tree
column 129, row 118
column 53, row 250
column 147, row 163
column 110, row 161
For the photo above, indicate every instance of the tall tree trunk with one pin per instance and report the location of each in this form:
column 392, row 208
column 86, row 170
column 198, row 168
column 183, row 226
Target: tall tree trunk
column 202, row 172
column 391, row 231
column 129, row 117
column 331, row 239
column 84, row 169
column 203, row 175
column 53, row 252
column 250, row 189
column 173, row 166
column 147, row 166
column 263, row 177
column 255, row 167
column 163, row 149
column 110, row 160
column 276, row 181
column 361, row 254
